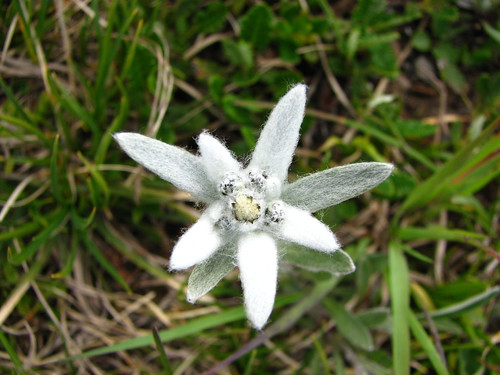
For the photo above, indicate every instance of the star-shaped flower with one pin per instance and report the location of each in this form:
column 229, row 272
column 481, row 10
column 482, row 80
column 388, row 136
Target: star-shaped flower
column 251, row 210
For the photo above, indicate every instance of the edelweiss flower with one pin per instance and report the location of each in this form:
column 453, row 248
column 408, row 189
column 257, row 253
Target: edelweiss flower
column 252, row 210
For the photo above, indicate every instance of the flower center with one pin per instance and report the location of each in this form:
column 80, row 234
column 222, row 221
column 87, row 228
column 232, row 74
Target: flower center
column 245, row 208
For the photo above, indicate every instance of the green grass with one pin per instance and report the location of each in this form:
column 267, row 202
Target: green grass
column 85, row 234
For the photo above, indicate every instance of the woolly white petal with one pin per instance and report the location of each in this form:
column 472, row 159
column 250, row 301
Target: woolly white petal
column 332, row 186
column 301, row 227
column 197, row 244
column 258, row 263
column 171, row 163
column 278, row 139
column 216, row 158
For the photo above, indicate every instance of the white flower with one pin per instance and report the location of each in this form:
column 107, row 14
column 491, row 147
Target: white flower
column 252, row 209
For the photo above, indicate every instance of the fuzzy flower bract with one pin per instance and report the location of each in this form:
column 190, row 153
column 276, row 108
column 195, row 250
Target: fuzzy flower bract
column 251, row 210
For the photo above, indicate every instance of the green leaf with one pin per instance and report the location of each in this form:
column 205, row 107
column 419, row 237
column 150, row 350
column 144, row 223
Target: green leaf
column 368, row 12
column 239, row 54
column 335, row 185
column 456, row 291
column 210, row 18
column 398, row 185
column 421, row 41
column 207, row 275
column 352, row 43
column 216, row 87
column 383, row 60
column 415, row 128
column 443, row 17
column 288, row 51
column 454, row 77
column 234, row 111
column 394, row 19
column 248, row 137
column 375, row 318
column 256, row 25
column 375, row 40
column 446, row 52
column 350, row 326
column 470, row 362
column 492, row 32
column 337, row 263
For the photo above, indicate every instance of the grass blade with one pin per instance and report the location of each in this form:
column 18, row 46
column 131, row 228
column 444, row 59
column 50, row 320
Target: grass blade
column 468, row 304
column 26, row 125
column 11, row 351
column 427, row 345
column 68, row 267
column 112, row 236
column 165, row 364
column 115, row 126
column 400, row 299
column 375, row 133
column 73, row 106
column 131, row 52
column 40, row 239
column 109, row 52
column 54, row 171
column 20, row 231
column 437, row 233
column 22, row 286
column 104, row 262
column 339, row 363
column 441, row 178
column 191, row 328
column 98, row 178
column 323, row 357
